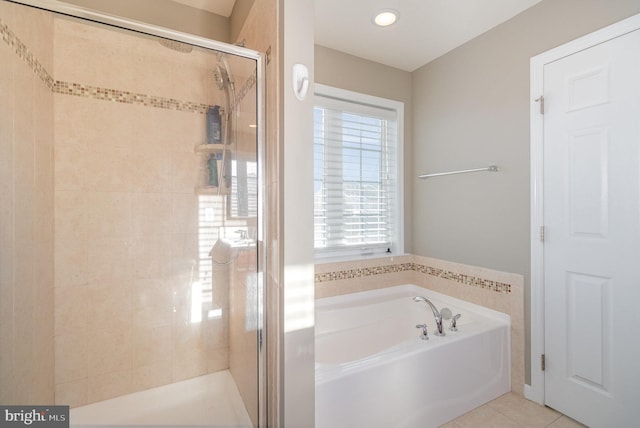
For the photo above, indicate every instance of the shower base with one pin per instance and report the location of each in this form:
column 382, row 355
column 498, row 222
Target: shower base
column 212, row 401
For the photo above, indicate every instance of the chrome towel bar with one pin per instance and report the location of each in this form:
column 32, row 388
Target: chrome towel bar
column 492, row 168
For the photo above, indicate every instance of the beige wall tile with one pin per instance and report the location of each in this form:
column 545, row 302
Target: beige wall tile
column 151, row 292
column 71, row 310
column 71, row 357
column 187, row 172
column 152, row 316
column 184, row 130
column 188, row 366
column 151, row 213
column 109, row 385
column 108, row 350
column 75, row 42
column 152, row 345
column 7, row 12
column 171, row 79
column 185, row 213
column 26, row 228
column 110, row 305
column 72, row 393
column 152, row 255
column 108, row 170
column 151, row 169
column 71, row 269
column 109, row 259
column 109, row 215
column 217, row 359
column 151, row 375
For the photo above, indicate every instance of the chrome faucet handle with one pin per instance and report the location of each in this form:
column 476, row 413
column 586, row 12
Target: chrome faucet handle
column 423, row 335
column 454, row 320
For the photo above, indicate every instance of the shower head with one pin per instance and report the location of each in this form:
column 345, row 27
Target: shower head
column 221, row 77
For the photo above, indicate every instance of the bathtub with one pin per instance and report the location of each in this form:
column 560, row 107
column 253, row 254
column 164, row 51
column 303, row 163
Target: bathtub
column 372, row 369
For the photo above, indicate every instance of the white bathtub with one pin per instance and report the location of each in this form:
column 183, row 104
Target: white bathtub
column 372, row 370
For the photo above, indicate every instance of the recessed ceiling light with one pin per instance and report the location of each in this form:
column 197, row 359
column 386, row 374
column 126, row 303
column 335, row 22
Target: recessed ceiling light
column 385, row 17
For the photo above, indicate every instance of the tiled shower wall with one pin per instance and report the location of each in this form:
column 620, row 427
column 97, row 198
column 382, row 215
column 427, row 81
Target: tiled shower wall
column 133, row 302
column 26, row 207
column 132, row 235
column 493, row 289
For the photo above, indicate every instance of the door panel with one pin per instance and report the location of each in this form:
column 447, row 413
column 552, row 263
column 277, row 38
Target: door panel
column 592, row 233
column 588, row 191
column 588, row 335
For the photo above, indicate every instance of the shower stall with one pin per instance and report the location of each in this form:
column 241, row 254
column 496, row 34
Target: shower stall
column 131, row 220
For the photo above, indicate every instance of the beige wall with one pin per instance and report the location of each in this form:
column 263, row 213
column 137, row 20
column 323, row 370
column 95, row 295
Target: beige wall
column 473, row 105
column 341, row 70
column 26, row 207
column 470, row 108
column 241, row 10
column 164, row 13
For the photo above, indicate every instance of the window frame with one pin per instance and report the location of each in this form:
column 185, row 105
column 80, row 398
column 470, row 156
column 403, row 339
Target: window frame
column 364, row 100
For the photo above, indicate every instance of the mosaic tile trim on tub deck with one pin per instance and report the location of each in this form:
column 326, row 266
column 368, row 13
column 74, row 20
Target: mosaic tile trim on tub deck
column 105, row 94
column 474, row 281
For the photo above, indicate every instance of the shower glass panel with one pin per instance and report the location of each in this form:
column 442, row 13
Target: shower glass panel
column 153, row 194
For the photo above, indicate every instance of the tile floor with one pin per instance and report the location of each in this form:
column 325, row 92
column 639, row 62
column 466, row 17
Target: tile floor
column 512, row 411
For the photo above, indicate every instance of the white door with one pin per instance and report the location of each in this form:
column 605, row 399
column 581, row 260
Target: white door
column 592, row 233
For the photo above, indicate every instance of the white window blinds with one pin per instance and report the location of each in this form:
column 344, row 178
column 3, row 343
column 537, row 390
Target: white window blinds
column 355, row 178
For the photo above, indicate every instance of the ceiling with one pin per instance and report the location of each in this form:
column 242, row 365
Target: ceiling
column 425, row 30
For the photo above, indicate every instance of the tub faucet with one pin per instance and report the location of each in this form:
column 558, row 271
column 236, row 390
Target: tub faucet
column 436, row 314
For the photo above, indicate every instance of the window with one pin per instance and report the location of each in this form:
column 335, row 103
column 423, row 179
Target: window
column 243, row 201
column 357, row 165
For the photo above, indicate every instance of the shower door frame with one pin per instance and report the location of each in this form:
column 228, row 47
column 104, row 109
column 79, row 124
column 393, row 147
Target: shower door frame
column 260, row 58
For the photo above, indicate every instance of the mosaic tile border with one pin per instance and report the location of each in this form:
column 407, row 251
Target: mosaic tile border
column 106, row 94
column 474, row 281
column 25, row 54
column 98, row 93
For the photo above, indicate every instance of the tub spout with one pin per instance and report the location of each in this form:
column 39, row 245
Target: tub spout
column 436, row 314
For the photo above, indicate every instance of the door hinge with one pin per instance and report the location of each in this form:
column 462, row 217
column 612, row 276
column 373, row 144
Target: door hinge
column 542, row 362
column 541, row 233
column 541, row 101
